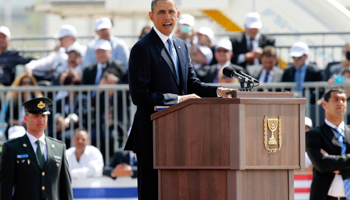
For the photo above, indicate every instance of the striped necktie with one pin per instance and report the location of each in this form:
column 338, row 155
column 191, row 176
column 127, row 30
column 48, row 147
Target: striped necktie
column 340, row 138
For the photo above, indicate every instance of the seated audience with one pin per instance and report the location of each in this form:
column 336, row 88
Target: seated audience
column 202, row 56
column 56, row 62
column 92, row 74
column 204, row 37
column 84, row 160
column 123, row 163
column 120, row 50
column 185, row 29
column 213, row 73
column 9, row 58
column 15, row 99
column 301, row 70
column 268, row 71
column 247, row 47
column 337, row 69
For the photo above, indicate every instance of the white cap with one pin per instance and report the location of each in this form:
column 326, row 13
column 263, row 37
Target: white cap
column 5, row 31
column 103, row 44
column 252, row 20
column 298, row 49
column 206, row 51
column 224, row 43
column 186, row 19
column 74, row 47
column 66, row 30
column 16, row 131
column 208, row 32
column 102, row 23
column 308, row 122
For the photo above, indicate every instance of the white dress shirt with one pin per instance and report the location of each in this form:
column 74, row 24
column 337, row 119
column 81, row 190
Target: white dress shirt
column 43, row 145
column 337, row 187
column 263, row 75
column 89, row 165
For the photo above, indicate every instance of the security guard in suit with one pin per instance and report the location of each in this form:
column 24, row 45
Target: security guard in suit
column 34, row 166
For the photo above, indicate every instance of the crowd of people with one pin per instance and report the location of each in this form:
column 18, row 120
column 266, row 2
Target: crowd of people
column 105, row 61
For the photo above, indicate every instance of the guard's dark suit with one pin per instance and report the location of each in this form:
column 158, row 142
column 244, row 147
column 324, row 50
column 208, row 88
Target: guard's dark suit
column 26, row 177
column 319, row 138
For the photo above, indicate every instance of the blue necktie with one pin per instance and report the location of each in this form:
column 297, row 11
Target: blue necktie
column 343, row 152
column 173, row 57
column 266, row 77
column 299, row 81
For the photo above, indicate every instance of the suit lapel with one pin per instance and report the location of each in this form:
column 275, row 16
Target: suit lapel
column 29, row 148
column 50, row 147
column 183, row 70
column 347, row 138
column 330, row 135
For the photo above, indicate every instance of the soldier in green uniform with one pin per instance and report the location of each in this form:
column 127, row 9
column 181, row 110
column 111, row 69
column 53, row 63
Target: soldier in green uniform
column 34, row 166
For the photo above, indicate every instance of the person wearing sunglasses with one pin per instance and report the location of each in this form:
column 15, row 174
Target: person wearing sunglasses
column 14, row 99
column 301, row 70
column 213, row 73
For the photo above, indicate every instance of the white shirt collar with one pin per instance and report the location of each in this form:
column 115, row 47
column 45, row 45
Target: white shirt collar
column 341, row 125
column 33, row 139
column 163, row 37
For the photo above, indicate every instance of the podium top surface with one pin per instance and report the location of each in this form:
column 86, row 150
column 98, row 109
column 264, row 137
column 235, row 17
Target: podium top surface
column 238, row 98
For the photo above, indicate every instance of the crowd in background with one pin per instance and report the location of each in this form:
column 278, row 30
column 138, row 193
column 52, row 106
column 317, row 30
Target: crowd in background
column 104, row 61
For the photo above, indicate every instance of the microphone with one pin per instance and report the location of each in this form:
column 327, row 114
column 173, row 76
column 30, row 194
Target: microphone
column 246, row 75
column 231, row 72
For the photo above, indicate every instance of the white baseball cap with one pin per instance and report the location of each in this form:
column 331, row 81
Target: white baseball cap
column 298, row 49
column 5, row 31
column 207, row 31
column 103, row 44
column 224, row 43
column 206, row 51
column 102, row 23
column 66, row 30
column 252, row 20
column 308, row 122
column 186, row 19
column 76, row 47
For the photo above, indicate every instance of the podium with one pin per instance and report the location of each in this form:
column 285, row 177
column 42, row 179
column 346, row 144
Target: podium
column 244, row 148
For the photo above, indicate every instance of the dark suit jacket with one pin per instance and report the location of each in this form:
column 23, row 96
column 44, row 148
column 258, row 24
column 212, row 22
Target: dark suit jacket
column 89, row 73
column 119, row 158
column 153, row 82
column 319, row 138
column 255, row 71
column 208, row 73
column 26, row 177
column 239, row 46
column 8, row 61
column 313, row 74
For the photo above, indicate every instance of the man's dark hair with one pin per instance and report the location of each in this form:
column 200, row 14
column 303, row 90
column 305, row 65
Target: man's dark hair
column 153, row 4
column 80, row 129
column 327, row 95
column 269, row 51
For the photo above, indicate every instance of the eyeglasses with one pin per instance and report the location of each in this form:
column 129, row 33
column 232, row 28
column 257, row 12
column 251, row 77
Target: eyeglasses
column 27, row 82
column 221, row 50
column 297, row 58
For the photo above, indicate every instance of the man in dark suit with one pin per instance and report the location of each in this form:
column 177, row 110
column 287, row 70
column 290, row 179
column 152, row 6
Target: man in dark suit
column 328, row 147
column 301, row 70
column 9, row 58
column 123, row 163
column 92, row 74
column 162, row 76
column 247, row 47
column 35, row 166
column 267, row 72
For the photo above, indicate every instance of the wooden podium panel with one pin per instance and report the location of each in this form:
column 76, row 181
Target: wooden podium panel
column 216, row 148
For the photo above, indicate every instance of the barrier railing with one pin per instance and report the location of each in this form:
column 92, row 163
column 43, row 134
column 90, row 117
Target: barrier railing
column 107, row 111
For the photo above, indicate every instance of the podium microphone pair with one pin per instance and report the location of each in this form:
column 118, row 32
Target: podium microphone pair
column 246, row 81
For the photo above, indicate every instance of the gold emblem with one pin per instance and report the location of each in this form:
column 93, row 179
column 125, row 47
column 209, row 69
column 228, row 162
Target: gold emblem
column 25, row 145
column 28, row 162
column 41, row 105
column 272, row 124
